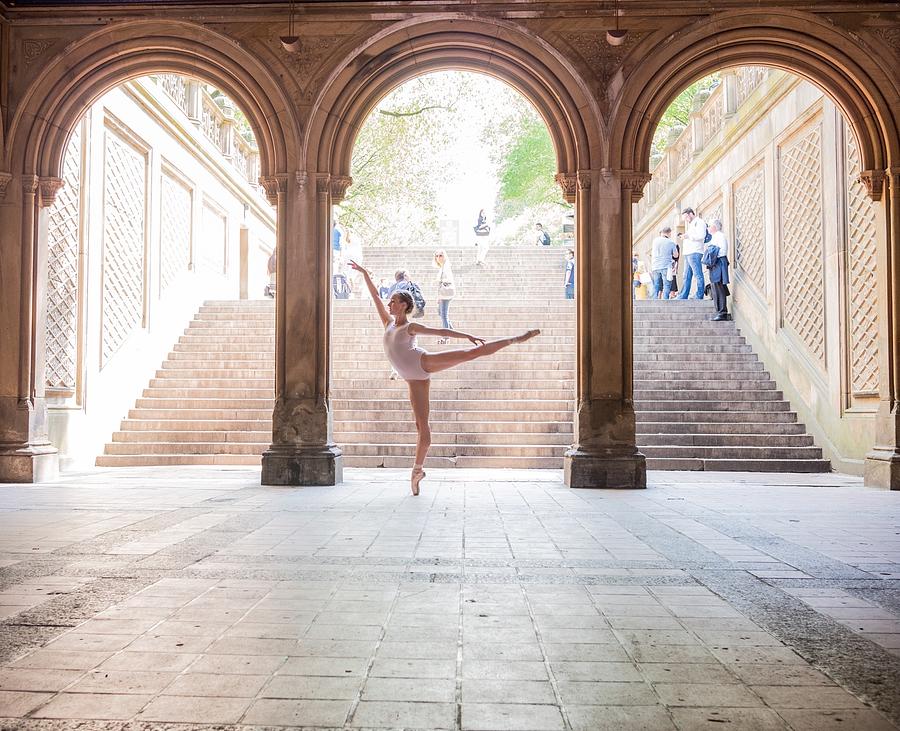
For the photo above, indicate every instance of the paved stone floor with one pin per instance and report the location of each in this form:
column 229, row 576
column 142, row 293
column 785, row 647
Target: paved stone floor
column 171, row 597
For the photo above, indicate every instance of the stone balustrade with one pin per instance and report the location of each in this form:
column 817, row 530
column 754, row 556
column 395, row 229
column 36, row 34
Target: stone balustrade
column 711, row 111
column 215, row 118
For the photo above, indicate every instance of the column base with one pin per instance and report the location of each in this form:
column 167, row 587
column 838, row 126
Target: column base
column 29, row 464
column 612, row 472
column 883, row 469
column 302, row 467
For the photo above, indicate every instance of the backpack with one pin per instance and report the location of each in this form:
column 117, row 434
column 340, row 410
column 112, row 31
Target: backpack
column 545, row 238
column 416, row 293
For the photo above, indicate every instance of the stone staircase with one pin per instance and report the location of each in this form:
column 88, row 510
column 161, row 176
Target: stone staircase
column 703, row 399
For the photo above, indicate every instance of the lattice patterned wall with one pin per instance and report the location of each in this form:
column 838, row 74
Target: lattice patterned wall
column 212, row 249
column 862, row 289
column 62, row 273
column 175, row 230
column 712, row 209
column 123, row 242
column 749, row 228
column 802, row 274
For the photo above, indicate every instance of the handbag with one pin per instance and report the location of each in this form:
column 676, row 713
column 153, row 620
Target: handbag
column 447, row 291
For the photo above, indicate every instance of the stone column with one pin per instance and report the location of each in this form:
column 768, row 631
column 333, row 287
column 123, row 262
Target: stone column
column 605, row 454
column 26, row 454
column 303, row 450
column 883, row 462
column 730, row 84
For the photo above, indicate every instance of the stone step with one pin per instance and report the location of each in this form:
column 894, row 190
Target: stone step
column 347, row 425
column 181, row 447
column 740, row 465
column 461, row 461
column 689, row 428
column 746, row 452
column 755, row 394
column 724, row 440
column 518, row 406
column 693, row 406
column 469, row 438
column 188, row 425
column 167, row 460
column 713, row 417
column 194, row 435
column 643, row 385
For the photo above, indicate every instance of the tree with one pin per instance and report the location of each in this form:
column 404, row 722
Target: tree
column 526, row 169
column 678, row 113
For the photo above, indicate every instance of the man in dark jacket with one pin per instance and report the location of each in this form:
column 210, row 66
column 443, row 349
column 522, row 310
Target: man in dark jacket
column 404, row 284
column 715, row 258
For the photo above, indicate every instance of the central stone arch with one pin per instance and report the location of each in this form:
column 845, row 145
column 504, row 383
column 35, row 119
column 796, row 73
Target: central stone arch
column 605, row 452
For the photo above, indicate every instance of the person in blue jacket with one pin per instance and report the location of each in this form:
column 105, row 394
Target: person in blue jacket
column 715, row 259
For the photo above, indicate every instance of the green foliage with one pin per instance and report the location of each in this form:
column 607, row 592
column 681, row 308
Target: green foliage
column 678, row 113
column 526, row 170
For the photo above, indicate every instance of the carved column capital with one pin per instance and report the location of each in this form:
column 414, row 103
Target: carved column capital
column 5, row 180
column 583, row 179
column 49, row 188
column 339, row 185
column 273, row 185
column 30, row 184
column 874, row 182
column 569, row 184
column 892, row 178
column 323, row 183
column 633, row 182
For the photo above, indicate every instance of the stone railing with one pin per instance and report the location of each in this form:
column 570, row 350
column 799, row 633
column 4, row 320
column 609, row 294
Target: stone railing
column 710, row 113
column 214, row 117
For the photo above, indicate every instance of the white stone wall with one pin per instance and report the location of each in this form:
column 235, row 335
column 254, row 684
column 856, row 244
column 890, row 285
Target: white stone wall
column 147, row 227
column 781, row 171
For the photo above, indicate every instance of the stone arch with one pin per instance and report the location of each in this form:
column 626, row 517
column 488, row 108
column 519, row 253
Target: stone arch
column 493, row 47
column 93, row 65
column 803, row 44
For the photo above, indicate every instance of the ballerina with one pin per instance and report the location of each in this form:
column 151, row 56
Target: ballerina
column 415, row 365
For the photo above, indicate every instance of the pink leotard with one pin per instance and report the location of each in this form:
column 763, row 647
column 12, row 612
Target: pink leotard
column 403, row 352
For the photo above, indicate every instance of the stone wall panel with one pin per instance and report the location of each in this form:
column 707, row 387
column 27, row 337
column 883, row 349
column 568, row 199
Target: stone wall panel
column 801, row 234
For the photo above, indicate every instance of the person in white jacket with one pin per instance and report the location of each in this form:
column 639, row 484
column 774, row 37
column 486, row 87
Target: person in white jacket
column 692, row 253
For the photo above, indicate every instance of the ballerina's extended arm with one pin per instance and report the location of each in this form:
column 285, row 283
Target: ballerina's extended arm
column 373, row 290
column 416, row 329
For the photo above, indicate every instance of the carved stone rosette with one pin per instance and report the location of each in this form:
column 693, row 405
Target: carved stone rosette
column 569, row 183
column 634, row 182
column 273, row 185
column 874, row 182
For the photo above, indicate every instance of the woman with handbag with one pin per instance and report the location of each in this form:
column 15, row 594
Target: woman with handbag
column 416, row 365
column 446, row 290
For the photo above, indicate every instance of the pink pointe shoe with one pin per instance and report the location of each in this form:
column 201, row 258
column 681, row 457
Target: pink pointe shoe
column 417, row 474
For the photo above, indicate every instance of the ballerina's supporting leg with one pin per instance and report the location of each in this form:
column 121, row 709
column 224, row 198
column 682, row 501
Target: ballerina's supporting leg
column 434, row 362
column 420, row 400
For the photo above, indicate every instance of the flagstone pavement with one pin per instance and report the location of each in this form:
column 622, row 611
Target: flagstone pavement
column 185, row 598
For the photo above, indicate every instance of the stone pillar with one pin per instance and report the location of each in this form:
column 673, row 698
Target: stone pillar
column 730, row 84
column 26, row 454
column 194, row 101
column 605, row 454
column 883, row 462
column 303, row 451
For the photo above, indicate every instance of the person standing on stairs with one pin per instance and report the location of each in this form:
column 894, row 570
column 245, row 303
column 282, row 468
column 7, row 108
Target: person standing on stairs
column 416, row 365
column 715, row 258
column 695, row 239
column 446, row 289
